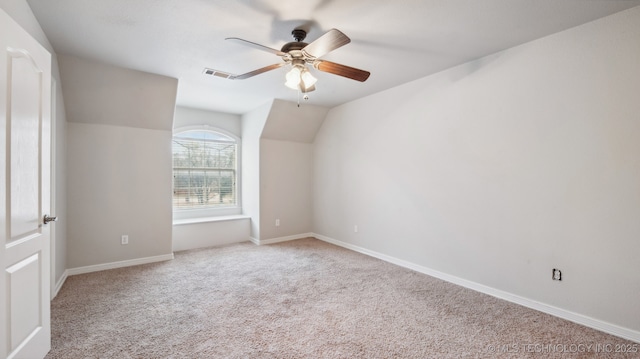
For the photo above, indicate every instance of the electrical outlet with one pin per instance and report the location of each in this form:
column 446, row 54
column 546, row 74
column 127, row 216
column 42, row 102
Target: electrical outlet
column 556, row 274
column 355, row 229
column 277, row 222
column 124, row 239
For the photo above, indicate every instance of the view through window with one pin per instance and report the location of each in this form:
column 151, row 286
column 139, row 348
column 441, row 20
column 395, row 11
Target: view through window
column 204, row 170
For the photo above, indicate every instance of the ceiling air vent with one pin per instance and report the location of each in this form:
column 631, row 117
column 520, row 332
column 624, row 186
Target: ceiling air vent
column 212, row 72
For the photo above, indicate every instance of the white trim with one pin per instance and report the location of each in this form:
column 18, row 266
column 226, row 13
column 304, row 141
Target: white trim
column 222, row 211
column 609, row 328
column 52, row 189
column 120, row 264
column 260, row 242
column 206, row 127
column 60, row 283
column 211, row 212
column 179, row 222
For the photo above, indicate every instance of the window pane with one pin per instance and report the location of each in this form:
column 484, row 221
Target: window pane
column 204, row 170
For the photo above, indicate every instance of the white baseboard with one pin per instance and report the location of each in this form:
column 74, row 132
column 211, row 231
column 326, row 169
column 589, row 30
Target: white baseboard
column 613, row 329
column 120, row 264
column 60, row 283
column 260, row 242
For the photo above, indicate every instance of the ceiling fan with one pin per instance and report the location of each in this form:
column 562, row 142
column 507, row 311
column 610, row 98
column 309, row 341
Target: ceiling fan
column 298, row 54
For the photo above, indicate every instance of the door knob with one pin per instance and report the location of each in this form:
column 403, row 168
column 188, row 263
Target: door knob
column 48, row 219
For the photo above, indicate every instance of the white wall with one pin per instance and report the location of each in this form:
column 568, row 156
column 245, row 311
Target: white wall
column 252, row 124
column 191, row 235
column 285, row 188
column 119, row 162
column 277, row 169
column 186, row 116
column 119, row 183
column 501, row 169
column 20, row 11
column 286, row 167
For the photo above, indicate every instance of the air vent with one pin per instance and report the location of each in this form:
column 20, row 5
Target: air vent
column 212, row 72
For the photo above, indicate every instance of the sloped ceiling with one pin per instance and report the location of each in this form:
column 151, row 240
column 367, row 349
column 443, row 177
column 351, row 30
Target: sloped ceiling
column 288, row 122
column 97, row 93
column 397, row 41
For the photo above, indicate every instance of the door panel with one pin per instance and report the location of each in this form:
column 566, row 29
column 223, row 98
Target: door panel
column 25, row 86
column 25, row 82
column 23, row 278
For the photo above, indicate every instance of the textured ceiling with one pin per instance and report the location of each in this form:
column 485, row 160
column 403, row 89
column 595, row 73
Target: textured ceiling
column 397, row 41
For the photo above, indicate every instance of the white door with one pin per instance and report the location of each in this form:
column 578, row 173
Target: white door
column 25, row 175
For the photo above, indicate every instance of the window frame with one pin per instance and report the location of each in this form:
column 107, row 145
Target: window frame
column 189, row 213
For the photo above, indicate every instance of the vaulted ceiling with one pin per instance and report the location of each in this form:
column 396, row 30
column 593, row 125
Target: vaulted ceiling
column 397, row 41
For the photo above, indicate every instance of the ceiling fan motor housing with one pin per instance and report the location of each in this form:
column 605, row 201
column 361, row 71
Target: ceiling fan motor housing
column 293, row 46
column 299, row 34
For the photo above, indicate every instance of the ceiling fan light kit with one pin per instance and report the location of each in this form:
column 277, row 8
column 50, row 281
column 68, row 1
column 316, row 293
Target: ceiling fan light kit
column 298, row 54
column 299, row 78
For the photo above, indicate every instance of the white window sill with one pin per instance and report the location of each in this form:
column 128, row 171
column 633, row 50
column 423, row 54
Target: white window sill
column 179, row 222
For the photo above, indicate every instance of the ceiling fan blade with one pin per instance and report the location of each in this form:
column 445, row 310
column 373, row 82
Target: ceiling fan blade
column 230, row 76
column 256, row 46
column 341, row 70
column 259, row 71
column 326, row 43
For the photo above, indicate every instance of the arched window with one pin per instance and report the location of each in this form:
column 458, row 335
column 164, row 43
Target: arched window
column 205, row 172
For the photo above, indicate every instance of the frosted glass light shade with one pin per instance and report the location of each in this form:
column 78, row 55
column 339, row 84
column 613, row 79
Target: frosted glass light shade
column 293, row 79
column 308, row 79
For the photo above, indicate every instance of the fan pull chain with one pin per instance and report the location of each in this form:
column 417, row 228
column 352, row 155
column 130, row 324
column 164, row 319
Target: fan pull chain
column 305, row 97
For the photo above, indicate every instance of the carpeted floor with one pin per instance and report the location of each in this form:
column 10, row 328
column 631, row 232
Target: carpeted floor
column 300, row 299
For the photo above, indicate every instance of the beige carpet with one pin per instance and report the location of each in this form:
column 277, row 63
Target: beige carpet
column 300, row 299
